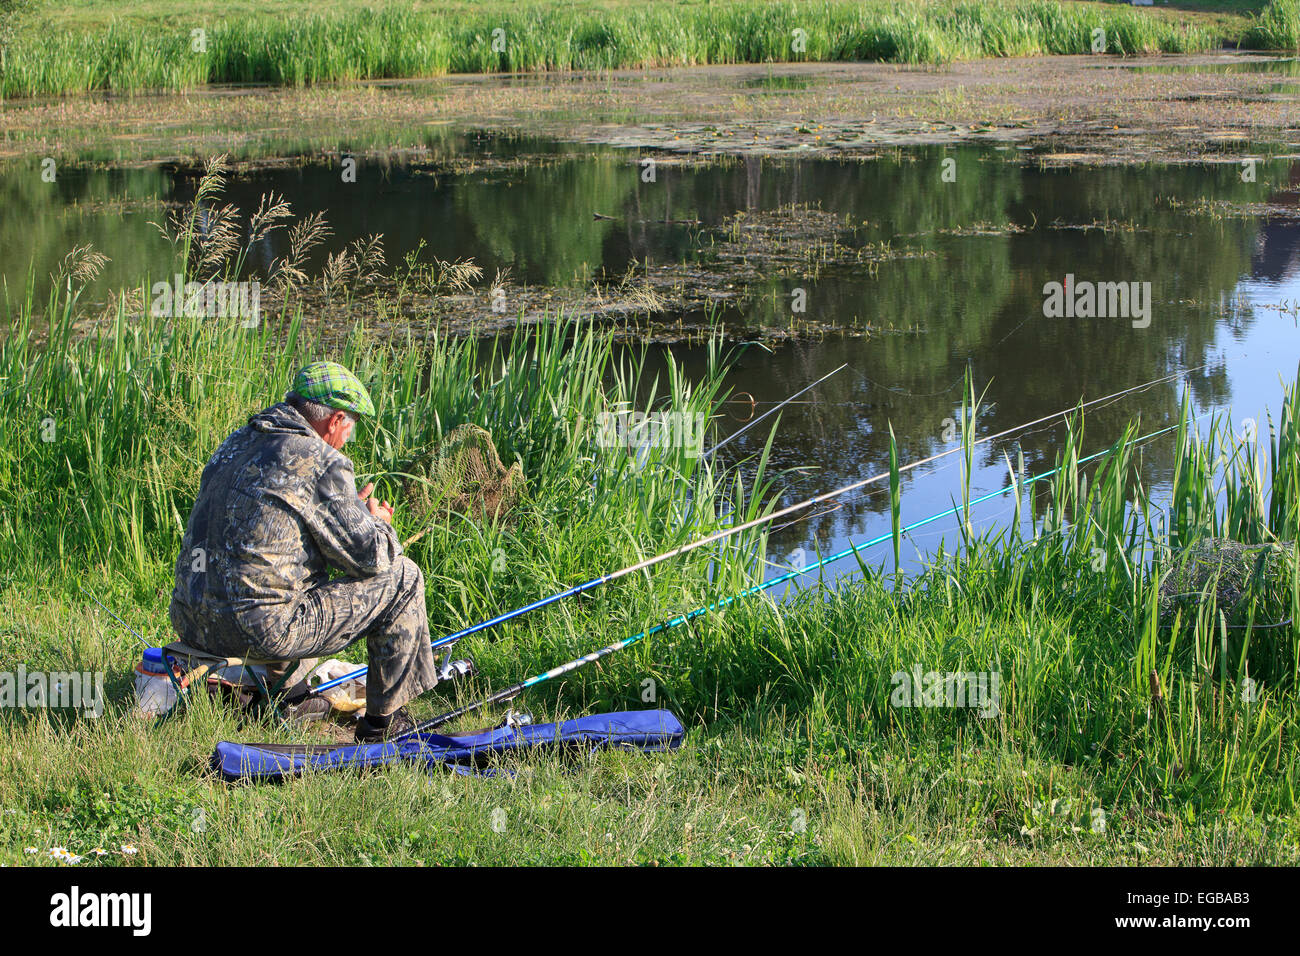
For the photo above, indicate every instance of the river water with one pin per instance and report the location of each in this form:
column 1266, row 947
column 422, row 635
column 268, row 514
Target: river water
column 1211, row 253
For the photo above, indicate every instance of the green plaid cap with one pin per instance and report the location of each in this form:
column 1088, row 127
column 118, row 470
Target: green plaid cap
column 331, row 384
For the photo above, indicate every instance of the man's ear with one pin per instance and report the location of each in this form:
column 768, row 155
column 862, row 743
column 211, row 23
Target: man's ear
column 339, row 420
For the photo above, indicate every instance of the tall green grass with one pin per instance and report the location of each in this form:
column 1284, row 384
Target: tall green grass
column 1103, row 705
column 392, row 43
column 1277, row 28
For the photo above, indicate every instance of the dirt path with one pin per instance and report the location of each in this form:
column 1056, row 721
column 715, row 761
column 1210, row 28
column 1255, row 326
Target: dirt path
column 1084, row 109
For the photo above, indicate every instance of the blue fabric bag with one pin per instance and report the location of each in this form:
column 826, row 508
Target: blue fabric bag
column 646, row 730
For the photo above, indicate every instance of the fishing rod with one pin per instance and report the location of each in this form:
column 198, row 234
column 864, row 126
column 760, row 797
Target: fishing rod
column 138, row 636
column 516, row 689
column 753, row 523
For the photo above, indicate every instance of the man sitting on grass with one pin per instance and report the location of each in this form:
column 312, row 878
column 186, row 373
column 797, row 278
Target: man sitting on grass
column 277, row 508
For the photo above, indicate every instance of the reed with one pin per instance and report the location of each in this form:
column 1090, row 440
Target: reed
column 1277, row 28
column 393, row 42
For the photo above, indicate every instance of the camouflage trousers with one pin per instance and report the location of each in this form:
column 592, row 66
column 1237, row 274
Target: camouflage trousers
column 387, row 610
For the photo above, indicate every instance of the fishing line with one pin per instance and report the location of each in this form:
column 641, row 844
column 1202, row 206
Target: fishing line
column 773, row 411
column 423, row 531
column 858, row 497
column 516, row 689
column 1104, row 402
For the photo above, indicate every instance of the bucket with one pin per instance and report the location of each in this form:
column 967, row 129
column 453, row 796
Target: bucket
column 154, row 692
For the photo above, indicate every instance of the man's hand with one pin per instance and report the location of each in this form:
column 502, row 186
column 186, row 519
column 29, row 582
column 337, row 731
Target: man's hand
column 381, row 510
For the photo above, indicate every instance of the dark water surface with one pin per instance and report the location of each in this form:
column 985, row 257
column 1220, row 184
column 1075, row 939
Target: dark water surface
column 1222, row 257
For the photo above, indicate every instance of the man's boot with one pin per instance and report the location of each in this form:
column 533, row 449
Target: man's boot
column 370, row 731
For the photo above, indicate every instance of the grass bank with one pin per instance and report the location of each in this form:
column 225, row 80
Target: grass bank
column 1119, row 737
column 77, row 49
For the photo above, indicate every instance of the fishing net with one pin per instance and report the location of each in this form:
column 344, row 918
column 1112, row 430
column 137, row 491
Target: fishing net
column 1232, row 574
column 463, row 474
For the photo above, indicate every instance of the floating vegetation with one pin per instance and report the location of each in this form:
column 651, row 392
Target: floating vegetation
column 426, row 296
column 1099, row 225
column 1277, row 208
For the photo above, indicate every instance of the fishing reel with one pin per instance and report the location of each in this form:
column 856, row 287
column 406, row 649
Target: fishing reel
column 515, row 719
column 451, row 670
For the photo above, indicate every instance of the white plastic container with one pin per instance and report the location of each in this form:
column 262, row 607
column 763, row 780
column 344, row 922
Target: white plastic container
column 348, row 697
column 154, row 692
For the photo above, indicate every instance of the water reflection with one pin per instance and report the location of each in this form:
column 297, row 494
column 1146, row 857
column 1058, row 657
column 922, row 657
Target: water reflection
column 995, row 231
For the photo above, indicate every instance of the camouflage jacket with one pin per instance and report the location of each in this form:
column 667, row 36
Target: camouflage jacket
column 277, row 507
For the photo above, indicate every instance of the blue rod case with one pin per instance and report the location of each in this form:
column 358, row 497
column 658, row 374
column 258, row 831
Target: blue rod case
column 646, row 730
